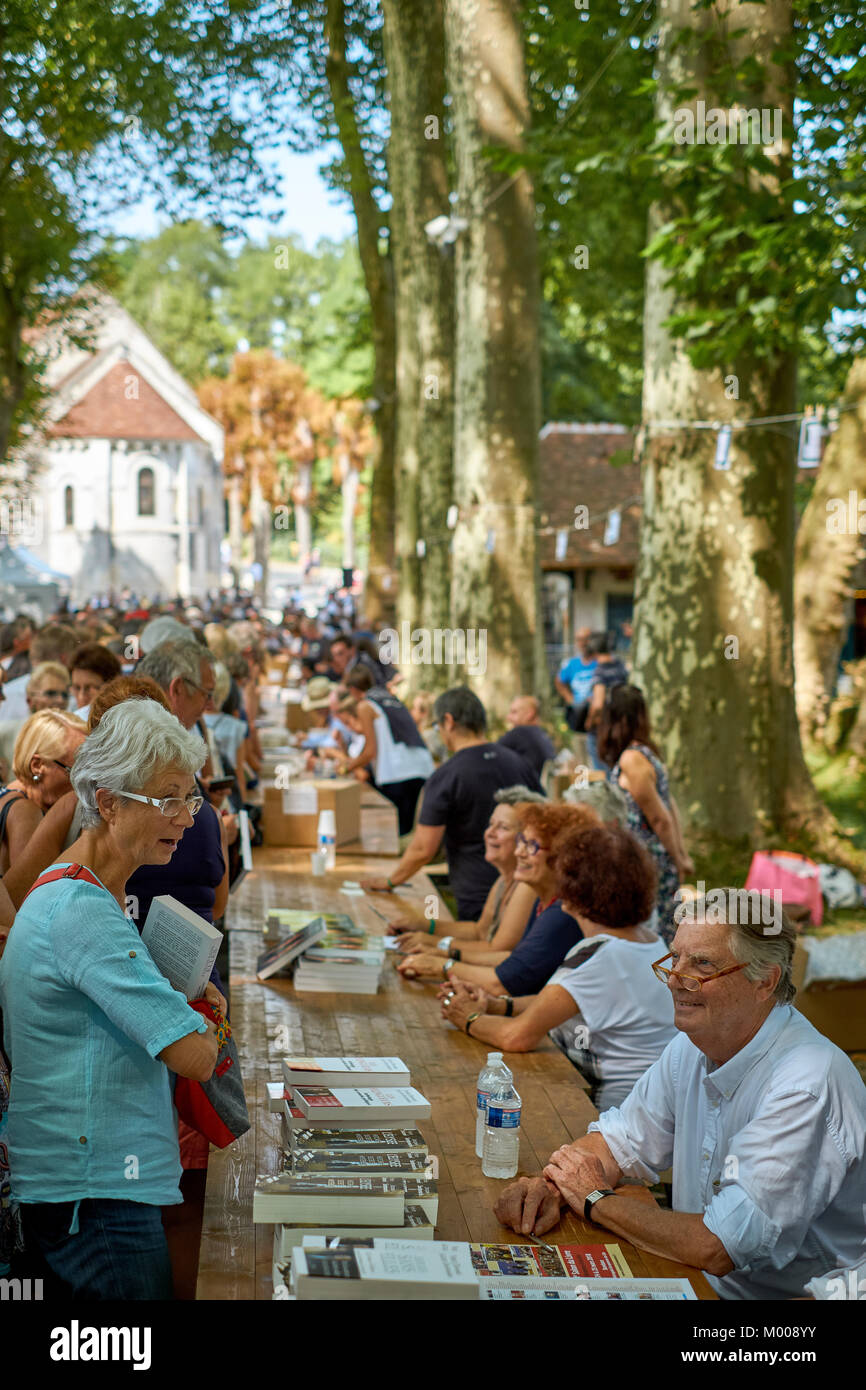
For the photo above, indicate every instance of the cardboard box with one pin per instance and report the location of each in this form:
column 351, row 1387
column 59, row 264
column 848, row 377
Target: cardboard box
column 291, row 817
column 836, row 1008
column 298, row 720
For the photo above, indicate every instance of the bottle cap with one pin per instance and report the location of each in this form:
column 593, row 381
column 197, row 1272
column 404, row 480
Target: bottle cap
column 493, row 1054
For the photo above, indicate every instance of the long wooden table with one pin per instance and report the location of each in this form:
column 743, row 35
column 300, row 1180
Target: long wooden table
column 403, row 1020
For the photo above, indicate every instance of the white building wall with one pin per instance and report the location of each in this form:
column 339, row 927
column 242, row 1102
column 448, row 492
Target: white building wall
column 147, row 549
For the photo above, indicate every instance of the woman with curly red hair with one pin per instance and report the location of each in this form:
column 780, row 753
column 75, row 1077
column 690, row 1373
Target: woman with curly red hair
column 550, row 932
column 601, row 1006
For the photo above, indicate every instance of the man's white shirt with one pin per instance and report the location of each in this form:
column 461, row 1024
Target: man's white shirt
column 770, row 1147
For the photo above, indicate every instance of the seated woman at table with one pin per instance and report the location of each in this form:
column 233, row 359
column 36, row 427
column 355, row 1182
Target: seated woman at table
column 93, row 1030
column 549, row 933
column 505, row 914
column 603, row 1007
column 62, row 822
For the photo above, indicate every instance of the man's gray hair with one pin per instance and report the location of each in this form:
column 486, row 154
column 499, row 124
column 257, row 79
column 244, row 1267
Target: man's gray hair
column 132, row 741
column 159, row 630
column 605, row 798
column 750, row 936
column 171, row 659
column 510, row 796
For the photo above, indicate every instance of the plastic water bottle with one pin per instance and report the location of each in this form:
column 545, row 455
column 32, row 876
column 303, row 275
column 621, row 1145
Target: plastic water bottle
column 490, row 1078
column 502, row 1133
column 327, row 838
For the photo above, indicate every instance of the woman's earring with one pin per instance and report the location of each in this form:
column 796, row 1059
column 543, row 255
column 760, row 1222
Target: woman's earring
column 36, row 777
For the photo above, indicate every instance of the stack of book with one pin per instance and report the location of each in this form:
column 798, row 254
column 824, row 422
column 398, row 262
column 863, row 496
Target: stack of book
column 294, row 938
column 345, row 960
column 343, row 1178
column 376, row 1268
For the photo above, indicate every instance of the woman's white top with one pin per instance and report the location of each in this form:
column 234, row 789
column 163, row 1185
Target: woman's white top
column 625, row 1016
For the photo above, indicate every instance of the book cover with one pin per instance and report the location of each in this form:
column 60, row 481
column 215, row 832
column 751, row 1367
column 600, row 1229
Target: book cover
column 398, row 1270
column 377, row 1162
column 364, row 1103
column 344, row 1200
column 353, row 1140
column 288, row 1236
column 280, row 956
column 182, row 944
column 294, row 1119
column 345, row 1071
column 530, row 1289
column 589, row 1261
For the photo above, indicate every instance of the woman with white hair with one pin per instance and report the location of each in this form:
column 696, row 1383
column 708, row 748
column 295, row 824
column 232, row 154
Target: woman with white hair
column 93, row 1030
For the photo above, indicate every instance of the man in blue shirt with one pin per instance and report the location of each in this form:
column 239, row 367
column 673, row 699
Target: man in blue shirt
column 575, row 679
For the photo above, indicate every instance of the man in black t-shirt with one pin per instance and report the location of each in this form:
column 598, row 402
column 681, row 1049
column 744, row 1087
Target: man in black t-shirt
column 458, row 802
column 526, row 735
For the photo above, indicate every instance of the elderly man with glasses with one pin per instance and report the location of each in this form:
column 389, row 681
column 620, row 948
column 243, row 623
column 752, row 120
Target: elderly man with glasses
column 762, row 1118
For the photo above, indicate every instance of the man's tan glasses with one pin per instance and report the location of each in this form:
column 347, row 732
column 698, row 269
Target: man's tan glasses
column 693, row 983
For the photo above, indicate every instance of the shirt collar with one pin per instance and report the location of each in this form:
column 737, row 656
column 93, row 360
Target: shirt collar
column 726, row 1078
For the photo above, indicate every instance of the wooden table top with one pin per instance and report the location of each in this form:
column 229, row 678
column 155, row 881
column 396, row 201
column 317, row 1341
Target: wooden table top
column 402, row 1020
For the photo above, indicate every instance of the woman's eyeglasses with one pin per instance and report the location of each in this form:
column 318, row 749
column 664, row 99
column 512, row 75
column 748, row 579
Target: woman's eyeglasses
column 532, row 847
column 169, row 805
column 692, row 983
column 66, row 768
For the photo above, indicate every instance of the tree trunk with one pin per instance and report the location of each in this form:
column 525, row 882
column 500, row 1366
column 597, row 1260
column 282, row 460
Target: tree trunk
column 349, row 490
column 495, row 587
column 378, row 277
column 261, row 530
column 236, row 522
column 303, row 529
column 424, row 289
column 829, row 544
column 713, row 645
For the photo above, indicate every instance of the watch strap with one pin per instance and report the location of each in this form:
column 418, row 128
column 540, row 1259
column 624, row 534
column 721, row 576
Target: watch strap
column 594, row 1197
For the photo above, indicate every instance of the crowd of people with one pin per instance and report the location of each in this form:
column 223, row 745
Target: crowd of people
column 130, row 744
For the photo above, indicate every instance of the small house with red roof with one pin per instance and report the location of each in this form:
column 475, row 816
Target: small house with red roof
column 589, row 519
column 131, row 466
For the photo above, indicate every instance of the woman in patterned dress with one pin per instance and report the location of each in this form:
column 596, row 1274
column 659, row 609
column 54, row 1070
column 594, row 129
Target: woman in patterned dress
column 625, row 745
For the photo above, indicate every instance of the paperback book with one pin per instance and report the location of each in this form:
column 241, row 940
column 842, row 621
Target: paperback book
column 345, row 1071
column 362, row 1104
column 356, row 1140
column 344, row 1200
column 294, row 1119
column 539, row 1261
column 278, row 958
column 530, row 1289
column 375, row 1162
column 404, row 1270
column 183, row 945
column 288, row 1236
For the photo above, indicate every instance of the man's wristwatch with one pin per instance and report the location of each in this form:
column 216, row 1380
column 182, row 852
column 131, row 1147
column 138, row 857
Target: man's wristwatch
column 594, row 1197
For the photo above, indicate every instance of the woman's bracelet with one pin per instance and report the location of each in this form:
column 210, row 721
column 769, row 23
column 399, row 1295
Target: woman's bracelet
column 509, row 1006
column 390, row 885
column 470, row 1019
column 431, row 930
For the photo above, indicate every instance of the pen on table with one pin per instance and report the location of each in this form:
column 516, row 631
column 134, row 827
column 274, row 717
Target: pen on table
column 386, row 920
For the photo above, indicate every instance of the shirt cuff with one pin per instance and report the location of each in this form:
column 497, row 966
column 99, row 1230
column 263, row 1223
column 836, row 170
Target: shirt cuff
column 744, row 1230
column 613, row 1132
column 175, row 1033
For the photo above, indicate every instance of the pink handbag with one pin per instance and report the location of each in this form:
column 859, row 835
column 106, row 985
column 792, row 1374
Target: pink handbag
column 793, row 875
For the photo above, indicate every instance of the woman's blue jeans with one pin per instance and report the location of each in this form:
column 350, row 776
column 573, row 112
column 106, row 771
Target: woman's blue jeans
column 118, row 1252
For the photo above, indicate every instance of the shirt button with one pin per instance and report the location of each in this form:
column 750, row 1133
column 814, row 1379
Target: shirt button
column 704, row 1155
column 82, row 1140
column 132, row 955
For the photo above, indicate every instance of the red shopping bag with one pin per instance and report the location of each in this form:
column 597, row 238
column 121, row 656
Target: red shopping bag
column 793, row 875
